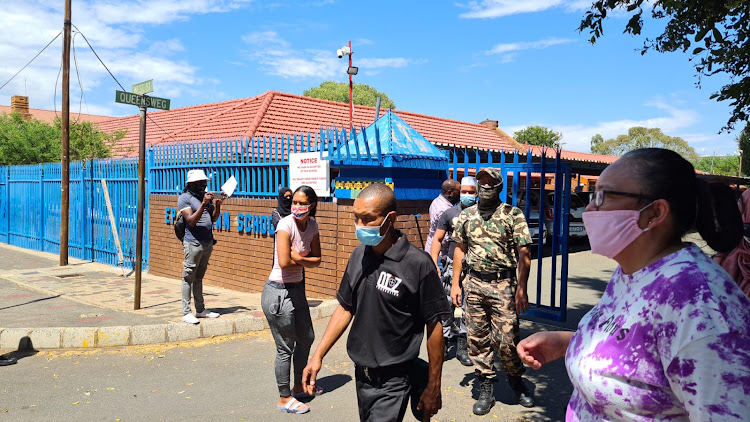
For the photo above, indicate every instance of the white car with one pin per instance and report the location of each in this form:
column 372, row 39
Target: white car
column 576, row 228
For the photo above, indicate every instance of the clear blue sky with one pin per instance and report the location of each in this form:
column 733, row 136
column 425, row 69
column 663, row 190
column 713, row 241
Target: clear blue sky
column 519, row 62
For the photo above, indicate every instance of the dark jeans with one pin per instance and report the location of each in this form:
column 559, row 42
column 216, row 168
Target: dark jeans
column 288, row 315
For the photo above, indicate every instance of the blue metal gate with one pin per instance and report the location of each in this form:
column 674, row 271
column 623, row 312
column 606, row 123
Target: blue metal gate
column 550, row 299
column 30, row 208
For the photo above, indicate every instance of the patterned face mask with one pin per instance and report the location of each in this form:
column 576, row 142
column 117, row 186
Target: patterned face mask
column 300, row 211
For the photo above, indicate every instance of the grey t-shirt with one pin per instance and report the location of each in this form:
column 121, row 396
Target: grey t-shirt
column 202, row 230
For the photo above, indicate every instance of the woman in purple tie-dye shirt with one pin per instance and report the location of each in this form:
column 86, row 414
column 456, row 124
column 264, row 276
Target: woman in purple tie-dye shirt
column 670, row 338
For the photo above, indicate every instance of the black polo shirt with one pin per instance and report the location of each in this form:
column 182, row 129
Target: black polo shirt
column 392, row 296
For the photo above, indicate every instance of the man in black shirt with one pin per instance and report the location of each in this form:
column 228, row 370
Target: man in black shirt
column 391, row 290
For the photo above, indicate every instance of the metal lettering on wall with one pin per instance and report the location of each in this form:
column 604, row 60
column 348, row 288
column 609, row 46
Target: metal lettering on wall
column 246, row 223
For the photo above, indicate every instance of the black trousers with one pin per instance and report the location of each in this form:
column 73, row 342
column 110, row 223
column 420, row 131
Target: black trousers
column 383, row 393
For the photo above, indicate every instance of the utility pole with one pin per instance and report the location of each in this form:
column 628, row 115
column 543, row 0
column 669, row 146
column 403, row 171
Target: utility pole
column 65, row 156
column 351, row 99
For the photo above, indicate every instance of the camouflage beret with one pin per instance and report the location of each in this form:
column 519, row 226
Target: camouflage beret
column 494, row 172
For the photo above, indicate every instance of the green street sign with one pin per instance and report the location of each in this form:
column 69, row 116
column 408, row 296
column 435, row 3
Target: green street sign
column 143, row 87
column 141, row 100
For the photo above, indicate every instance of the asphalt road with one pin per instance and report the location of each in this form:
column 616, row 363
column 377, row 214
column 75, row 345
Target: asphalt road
column 231, row 378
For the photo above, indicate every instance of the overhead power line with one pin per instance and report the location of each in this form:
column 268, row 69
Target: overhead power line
column 37, row 55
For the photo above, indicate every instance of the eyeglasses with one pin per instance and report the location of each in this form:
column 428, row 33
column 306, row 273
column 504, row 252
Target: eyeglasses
column 599, row 196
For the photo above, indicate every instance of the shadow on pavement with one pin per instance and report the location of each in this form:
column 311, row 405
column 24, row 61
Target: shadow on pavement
column 30, row 302
column 230, row 309
column 329, row 384
column 25, row 350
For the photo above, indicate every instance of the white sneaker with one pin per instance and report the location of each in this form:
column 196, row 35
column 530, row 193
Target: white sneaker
column 207, row 314
column 190, row 319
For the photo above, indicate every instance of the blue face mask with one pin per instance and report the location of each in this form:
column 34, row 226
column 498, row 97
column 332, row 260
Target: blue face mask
column 370, row 235
column 468, row 200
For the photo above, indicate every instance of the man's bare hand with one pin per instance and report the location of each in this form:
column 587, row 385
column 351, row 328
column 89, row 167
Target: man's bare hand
column 310, row 375
column 430, row 402
column 522, row 300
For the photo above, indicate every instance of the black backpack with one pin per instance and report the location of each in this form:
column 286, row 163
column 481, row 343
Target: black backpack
column 179, row 227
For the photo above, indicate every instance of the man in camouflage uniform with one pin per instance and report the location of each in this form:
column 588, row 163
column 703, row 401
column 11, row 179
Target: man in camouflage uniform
column 493, row 238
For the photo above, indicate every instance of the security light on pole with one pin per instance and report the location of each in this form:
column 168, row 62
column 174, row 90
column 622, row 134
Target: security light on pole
column 351, row 70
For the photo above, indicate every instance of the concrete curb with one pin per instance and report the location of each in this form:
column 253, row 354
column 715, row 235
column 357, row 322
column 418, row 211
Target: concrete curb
column 109, row 336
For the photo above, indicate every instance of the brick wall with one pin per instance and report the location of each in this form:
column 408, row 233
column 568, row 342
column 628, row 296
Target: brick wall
column 242, row 261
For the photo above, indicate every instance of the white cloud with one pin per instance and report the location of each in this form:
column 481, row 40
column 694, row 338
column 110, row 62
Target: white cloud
column 498, row 8
column 277, row 57
column 117, row 31
column 671, row 120
column 509, row 51
column 507, row 48
column 489, row 9
column 265, row 39
column 159, row 12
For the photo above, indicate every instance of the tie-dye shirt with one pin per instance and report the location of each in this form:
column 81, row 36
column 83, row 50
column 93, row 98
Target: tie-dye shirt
column 670, row 342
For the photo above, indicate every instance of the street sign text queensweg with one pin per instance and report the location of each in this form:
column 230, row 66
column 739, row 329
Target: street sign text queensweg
column 141, row 100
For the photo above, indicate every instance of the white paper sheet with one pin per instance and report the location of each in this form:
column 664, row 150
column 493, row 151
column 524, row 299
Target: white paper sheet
column 229, row 186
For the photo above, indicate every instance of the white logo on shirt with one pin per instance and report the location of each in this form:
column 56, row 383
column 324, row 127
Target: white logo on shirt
column 388, row 283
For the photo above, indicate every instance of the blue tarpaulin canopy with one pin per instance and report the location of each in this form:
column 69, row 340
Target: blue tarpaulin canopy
column 391, row 142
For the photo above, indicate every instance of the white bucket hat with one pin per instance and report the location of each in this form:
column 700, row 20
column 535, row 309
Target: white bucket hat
column 196, row 176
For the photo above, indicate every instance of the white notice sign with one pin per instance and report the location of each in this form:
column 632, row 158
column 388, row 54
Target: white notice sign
column 307, row 168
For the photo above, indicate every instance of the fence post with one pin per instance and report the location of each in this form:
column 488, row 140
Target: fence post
column 6, row 204
column 150, row 179
column 42, row 210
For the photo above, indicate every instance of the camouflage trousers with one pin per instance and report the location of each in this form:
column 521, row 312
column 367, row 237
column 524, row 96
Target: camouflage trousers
column 492, row 324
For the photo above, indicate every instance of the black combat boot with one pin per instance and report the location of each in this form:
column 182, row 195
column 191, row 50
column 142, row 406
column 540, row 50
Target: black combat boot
column 462, row 352
column 447, row 343
column 524, row 394
column 486, row 397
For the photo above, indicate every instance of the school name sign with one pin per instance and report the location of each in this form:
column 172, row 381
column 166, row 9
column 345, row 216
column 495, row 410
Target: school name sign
column 245, row 223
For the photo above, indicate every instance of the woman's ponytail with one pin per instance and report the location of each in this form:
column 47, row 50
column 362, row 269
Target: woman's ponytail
column 718, row 218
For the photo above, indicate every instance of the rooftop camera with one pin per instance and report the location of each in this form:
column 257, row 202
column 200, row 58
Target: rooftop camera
column 343, row 51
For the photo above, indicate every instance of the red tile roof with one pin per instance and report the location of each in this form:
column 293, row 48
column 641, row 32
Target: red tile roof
column 48, row 116
column 572, row 155
column 274, row 113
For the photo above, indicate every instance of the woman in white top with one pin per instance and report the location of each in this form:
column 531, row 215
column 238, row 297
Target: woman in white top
column 283, row 300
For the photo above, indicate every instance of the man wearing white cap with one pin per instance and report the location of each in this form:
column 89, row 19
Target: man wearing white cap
column 200, row 211
column 443, row 234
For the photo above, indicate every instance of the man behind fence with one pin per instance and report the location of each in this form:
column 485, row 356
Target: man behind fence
column 493, row 237
column 200, row 211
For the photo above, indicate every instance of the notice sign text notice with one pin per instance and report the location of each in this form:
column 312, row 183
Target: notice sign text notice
column 307, row 168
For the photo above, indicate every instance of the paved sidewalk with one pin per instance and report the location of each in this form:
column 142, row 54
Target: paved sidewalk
column 91, row 305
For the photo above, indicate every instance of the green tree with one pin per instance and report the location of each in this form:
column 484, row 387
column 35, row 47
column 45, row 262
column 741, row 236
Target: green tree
column 596, row 140
column 641, row 137
column 727, row 165
column 538, row 135
column 743, row 142
column 32, row 141
column 716, row 33
column 339, row 91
